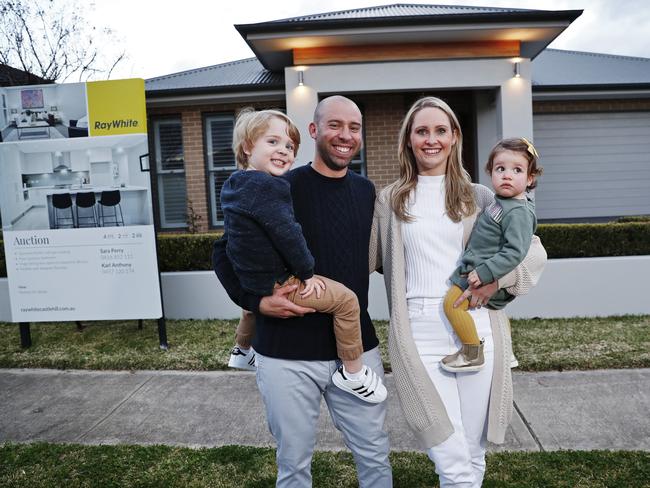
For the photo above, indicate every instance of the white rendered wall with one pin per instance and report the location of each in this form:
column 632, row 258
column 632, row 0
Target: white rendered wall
column 568, row 288
column 513, row 115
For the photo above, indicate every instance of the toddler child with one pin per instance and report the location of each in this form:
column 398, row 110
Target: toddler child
column 267, row 249
column 499, row 242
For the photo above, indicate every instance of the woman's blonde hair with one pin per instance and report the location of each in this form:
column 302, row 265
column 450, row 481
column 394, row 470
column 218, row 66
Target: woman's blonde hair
column 251, row 124
column 459, row 195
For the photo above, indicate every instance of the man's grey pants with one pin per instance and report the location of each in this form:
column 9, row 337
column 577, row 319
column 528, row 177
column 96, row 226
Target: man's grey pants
column 292, row 390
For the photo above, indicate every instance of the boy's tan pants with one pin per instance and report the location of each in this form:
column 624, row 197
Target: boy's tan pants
column 336, row 299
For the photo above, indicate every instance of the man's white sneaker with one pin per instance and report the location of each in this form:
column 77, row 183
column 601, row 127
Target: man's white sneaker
column 242, row 360
column 369, row 388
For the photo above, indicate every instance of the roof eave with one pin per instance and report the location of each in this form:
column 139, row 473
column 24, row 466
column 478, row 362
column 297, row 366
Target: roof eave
column 600, row 86
column 274, row 61
column 449, row 19
column 591, row 92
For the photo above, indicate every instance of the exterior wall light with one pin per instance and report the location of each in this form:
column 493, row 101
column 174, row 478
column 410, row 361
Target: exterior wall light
column 301, row 78
column 517, row 70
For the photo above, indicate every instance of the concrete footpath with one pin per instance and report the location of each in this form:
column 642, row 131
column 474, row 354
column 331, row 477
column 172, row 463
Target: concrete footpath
column 605, row 409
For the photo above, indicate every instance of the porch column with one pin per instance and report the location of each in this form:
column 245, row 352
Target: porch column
column 514, row 106
column 301, row 103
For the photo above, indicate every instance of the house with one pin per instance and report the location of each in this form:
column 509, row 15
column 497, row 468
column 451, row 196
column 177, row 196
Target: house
column 10, row 76
column 588, row 113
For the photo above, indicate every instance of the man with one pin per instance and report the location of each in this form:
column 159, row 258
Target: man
column 296, row 349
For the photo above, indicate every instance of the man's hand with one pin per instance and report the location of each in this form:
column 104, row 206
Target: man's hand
column 473, row 279
column 279, row 306
column 478, row 296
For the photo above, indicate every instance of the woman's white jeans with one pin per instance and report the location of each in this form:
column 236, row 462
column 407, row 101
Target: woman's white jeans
column 460, row 459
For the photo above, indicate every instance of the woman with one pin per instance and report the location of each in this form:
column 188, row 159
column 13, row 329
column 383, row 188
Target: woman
column 422, row 222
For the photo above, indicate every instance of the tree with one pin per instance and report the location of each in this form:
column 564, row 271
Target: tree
column 53, row 40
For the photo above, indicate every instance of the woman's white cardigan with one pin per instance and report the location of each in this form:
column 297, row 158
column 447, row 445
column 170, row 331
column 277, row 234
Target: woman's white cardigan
column 422, row 406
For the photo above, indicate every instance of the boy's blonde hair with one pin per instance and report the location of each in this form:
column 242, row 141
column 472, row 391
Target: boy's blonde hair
column 522, row 146
column 251, row 124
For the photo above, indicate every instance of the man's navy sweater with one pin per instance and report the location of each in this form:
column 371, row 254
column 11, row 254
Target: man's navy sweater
column 336, row 217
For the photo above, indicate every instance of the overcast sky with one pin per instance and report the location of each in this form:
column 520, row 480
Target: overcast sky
column 166, row 36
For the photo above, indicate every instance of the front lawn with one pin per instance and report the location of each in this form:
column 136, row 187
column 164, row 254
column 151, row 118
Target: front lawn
column 540, row 345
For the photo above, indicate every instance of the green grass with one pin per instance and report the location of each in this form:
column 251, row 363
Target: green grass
column 194, row 345
column 540, row 345
column 582, row 343
column 57, row 465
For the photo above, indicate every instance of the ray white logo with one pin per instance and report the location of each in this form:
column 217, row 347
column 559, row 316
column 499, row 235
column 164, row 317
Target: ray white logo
column 116, row 124
column 31, row 241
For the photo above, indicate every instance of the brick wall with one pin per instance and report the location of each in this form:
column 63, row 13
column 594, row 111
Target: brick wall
column 383, row 115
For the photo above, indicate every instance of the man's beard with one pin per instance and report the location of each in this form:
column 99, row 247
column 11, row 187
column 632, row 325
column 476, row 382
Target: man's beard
column 332, row 164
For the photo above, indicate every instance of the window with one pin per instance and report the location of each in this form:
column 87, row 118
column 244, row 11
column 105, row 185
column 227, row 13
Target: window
column 220, row 160
column 170, row 170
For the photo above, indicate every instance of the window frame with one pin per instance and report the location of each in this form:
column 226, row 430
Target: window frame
column 160, row 172
column 210, row 170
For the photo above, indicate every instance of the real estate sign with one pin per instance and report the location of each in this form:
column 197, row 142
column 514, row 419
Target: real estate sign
column 75, row 200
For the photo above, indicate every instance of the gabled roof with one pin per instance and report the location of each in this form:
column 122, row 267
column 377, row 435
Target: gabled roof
column 274, row 42
column 247, row 74
column 554, row 68
column 397, row 10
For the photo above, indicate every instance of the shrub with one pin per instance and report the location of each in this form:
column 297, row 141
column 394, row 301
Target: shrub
column 634, row 218
column 185, row 252
column 592, row 240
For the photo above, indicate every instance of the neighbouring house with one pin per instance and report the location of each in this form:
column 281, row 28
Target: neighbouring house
column 10, row 76
column 588, row 113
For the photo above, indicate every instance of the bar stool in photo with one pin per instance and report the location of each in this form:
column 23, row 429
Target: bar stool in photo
column 62, row 202
column 111, row 199
column 85, row 201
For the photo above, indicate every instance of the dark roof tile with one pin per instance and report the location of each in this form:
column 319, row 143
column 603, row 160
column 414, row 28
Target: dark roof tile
column 398, row 10
column 245, row 73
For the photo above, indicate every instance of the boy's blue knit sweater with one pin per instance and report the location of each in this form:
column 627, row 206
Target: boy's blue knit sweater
column 265, row 243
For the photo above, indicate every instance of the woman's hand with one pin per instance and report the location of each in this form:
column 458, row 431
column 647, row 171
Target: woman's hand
column 313, row 284
column 478, row 296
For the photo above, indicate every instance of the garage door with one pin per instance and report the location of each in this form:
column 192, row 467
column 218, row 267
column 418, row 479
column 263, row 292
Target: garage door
column 595, row 165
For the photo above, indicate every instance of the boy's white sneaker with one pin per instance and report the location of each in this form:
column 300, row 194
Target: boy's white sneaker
column 242, row 360
column 369, row 388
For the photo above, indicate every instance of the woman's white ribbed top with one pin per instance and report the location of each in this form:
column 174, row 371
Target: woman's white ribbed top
column 433, row 243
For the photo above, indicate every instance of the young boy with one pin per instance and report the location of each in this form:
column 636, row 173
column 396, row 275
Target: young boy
column 267, row 248
column 499, row 242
